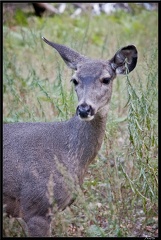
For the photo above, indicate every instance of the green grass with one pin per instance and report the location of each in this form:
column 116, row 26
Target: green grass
column 120, row 191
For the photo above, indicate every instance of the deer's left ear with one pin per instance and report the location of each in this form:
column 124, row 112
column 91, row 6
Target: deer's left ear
column 124, row 58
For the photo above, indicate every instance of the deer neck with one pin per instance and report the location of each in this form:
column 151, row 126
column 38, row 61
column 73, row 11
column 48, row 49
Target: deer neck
column 86, row 139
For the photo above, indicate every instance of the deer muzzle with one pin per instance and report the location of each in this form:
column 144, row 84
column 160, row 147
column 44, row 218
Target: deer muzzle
column 85, row 112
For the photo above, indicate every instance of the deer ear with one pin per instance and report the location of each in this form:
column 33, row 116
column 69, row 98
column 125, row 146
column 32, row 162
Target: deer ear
column 70, row 57
column 124, row 60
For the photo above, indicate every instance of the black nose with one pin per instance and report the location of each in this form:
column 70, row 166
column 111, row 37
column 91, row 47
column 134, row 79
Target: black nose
column 84, row 110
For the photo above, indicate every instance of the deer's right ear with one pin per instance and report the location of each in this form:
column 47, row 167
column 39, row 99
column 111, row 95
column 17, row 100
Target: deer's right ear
column 124, row 60
column 70, row 57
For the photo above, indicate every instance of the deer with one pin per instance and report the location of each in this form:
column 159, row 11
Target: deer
column 34, row 153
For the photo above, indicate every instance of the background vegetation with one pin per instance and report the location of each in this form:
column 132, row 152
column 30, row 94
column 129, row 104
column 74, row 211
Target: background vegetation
column 120, row 192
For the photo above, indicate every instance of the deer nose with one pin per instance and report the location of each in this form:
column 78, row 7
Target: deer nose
column 84, row 110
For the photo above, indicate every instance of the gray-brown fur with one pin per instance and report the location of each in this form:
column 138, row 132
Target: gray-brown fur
column 33, row 152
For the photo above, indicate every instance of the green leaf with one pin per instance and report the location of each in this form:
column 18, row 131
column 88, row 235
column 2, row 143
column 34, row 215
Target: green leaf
column 95, row 231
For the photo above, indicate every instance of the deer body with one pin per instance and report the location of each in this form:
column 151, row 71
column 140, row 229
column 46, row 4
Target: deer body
column 33, row 151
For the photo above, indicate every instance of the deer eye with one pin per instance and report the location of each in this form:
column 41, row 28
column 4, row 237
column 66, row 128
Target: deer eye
column 106, row 80
column 74, row 81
